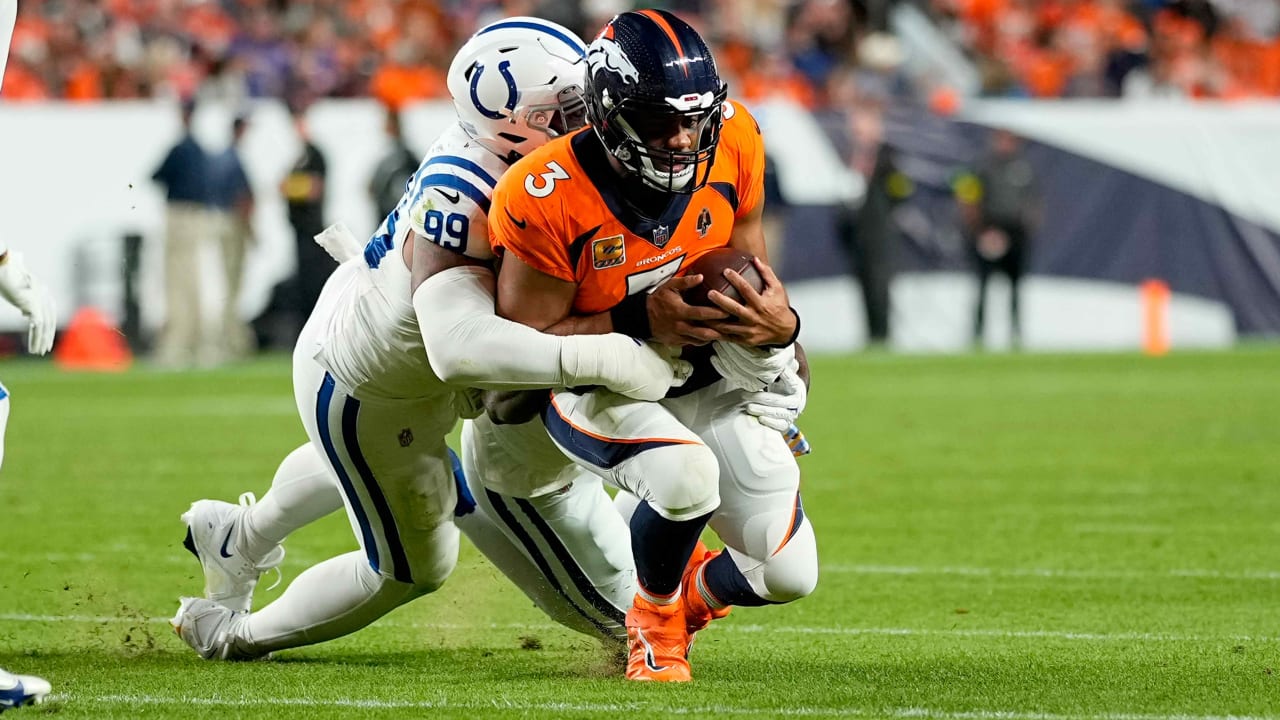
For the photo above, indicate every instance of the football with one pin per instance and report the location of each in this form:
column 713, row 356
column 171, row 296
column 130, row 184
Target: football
column 711, row 267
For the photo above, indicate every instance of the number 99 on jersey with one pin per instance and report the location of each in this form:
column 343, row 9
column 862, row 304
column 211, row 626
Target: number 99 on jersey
column 448, row 230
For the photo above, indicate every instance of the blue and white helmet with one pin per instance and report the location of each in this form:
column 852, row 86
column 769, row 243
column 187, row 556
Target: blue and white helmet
column 517, row 83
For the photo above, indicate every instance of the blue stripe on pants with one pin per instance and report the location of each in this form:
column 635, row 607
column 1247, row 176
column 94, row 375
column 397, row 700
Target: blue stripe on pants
column 323, row 400
column 601, row 453
column 509, row 519
column 585, row 586
column 466, row 504
column 400, row 569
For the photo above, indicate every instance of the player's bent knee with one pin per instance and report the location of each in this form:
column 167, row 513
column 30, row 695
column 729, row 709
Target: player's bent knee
column 792, row 572
column 683, row 480
column 431, row 557
column 386, row 585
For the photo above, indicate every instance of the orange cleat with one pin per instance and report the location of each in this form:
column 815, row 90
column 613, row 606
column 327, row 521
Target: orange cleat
column 657, row 642
column 697, row 613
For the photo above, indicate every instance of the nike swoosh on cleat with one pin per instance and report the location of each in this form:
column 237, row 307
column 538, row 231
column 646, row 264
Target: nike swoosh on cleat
column 223, row 550
column 451, row 197
column 649, row 659
column 518, row 223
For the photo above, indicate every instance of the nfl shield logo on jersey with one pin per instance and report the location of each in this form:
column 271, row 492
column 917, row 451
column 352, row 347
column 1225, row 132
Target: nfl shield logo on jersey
column 661, row 235
column 608, row 252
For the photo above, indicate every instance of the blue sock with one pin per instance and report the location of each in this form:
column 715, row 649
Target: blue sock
column 662, row 548
column 723, row 579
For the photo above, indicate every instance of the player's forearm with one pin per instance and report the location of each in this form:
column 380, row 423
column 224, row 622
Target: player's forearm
column 467, row 344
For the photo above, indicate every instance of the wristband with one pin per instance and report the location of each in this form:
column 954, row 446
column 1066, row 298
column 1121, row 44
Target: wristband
column 631, row 316
column 794, row 335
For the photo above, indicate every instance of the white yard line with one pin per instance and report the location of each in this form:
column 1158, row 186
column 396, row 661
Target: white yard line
column 742, row 628
column 856, row 569
column 906, row 713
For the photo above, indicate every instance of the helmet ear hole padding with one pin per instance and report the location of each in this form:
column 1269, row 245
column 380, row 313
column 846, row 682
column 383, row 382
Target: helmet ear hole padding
column 516, row 84
column 654, row 69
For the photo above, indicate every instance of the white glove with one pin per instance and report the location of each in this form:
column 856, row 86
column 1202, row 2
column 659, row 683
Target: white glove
column 748, row 368
column 642, row 371
column 778, row 406
column 30, row 296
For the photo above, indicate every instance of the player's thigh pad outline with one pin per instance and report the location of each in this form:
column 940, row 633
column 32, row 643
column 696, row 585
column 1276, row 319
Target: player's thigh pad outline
column 761, row 517
column 517, row 460
column 637, row 446
column 396, row 478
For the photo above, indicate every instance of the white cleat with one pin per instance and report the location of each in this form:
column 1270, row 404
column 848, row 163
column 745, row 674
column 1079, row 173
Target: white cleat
column 205, row 626
column 213, row 534
column 19, row 690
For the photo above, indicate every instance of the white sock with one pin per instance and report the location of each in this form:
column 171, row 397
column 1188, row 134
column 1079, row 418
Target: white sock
column 302, row 491
column 334, row 598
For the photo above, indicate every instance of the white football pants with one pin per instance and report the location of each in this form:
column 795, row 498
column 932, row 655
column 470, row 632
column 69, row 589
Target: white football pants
column 397, row 482
column 694, row 454
column 568, row 550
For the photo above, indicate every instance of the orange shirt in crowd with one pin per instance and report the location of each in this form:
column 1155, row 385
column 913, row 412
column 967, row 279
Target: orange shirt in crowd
column 20, row 84
column 397, row 85
column 84, row 83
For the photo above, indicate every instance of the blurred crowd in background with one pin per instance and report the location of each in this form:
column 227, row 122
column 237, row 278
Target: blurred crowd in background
column 845, row 61
column 398, row 50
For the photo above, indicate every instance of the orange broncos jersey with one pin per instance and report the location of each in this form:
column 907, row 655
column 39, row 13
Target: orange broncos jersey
column 560, row 210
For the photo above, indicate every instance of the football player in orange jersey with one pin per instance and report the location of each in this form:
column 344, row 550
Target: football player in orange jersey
column 593, row 230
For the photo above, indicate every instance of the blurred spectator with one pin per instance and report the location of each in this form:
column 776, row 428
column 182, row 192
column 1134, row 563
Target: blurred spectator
column 999, row 207
column 393, row 171
column 417, row 59
column 261, row 47
column 774, row 218
column 232, row 201
column 870, row 234
column 820, row 36
column 303, row 190
column 188, row 228
column 855, row 123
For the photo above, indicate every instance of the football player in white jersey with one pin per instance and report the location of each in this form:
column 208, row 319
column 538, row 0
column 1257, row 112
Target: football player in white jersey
column 28, row 295
column 376, row 404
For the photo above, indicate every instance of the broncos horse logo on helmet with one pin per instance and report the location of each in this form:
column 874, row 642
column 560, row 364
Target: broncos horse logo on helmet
column 606, row 53
column 649, row 75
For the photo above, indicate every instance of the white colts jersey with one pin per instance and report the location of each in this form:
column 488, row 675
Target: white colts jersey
column 373, row 344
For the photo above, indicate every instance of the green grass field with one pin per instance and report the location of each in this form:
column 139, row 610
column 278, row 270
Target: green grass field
column 1001, row 537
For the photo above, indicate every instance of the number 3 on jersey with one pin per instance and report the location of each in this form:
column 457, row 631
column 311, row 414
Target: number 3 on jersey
column 543, row 184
